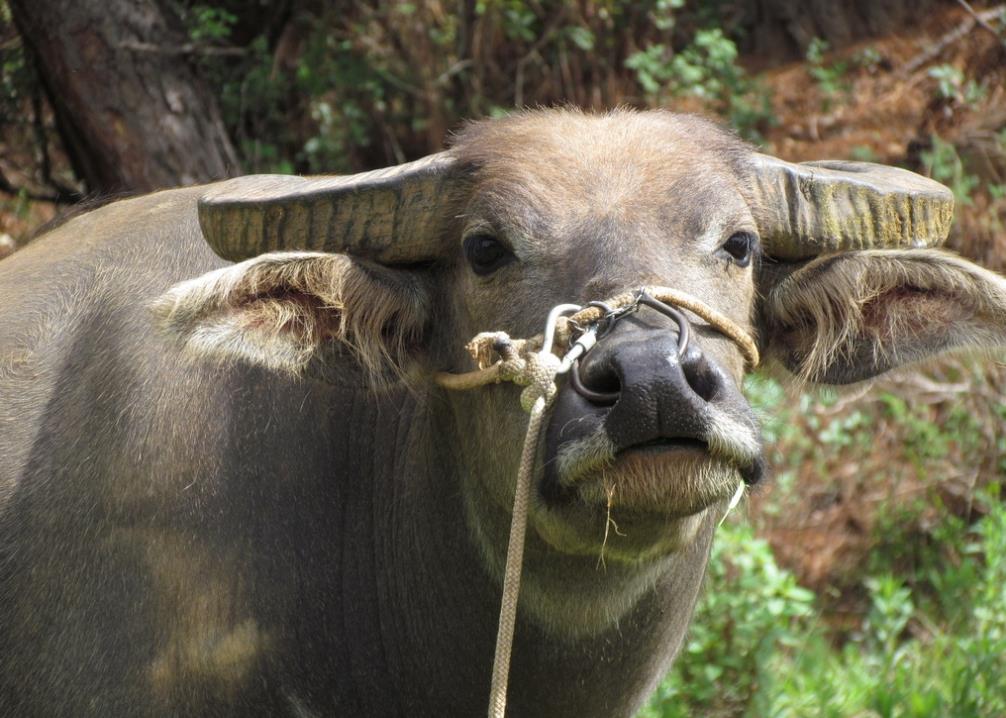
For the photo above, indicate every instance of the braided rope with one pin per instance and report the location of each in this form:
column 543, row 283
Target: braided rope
column 514, row 562
column 526, row 363
column 682, row 300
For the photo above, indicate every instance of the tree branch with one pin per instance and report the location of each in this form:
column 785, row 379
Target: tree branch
column 982, row 21
column 59, row 198
column 64, row 194
column 951, row 37
column 188, row 48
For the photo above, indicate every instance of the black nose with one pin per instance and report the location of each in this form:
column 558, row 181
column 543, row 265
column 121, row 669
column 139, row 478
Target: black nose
column 653, row 391
column 650, row 387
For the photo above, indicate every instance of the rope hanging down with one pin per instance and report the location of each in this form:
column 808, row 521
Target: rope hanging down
column 533, row 364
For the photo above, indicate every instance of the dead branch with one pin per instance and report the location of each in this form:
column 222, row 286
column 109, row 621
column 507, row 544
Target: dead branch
column 188, row 48
column 982, row 22
column 951, row 37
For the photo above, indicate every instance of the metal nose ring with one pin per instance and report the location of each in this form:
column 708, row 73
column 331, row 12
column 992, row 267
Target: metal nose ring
column 600, row 398
column 684, row 328
column 608, row 398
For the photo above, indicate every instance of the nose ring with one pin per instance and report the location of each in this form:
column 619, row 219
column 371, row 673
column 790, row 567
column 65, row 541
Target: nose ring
column 607, row 398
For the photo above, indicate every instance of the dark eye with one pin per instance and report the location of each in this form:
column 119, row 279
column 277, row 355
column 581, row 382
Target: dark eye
column 486, row 254
column 740, row 247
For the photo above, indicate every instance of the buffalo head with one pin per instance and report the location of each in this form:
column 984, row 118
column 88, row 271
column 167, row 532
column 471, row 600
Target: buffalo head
column 379, row 279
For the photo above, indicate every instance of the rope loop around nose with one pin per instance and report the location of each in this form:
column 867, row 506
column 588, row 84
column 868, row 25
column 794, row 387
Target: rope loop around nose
column 495, row 366
column 653, row 296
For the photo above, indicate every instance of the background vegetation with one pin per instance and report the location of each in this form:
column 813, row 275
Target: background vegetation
column 869, row 577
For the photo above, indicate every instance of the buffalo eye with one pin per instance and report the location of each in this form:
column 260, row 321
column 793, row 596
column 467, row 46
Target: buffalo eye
column 740, row 246
column 486, row 254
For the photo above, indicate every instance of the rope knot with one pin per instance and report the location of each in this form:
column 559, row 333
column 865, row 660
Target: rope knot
column 485, row 346
column 540, row 371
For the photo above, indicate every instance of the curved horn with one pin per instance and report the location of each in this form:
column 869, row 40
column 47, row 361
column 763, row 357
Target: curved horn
column 388, row 215
column 814, row 208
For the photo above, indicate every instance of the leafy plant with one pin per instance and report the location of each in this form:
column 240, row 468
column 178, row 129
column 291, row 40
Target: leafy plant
column 750, row 609
column 869, row 59
column 831, row 78
column 951, row 85
column 756, row 648
column 706, row 69
column 663, row 13
column 943, row 163
column 210, row 23
column 863, row 153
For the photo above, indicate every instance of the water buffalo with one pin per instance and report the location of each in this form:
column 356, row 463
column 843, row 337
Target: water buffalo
column 232, row 489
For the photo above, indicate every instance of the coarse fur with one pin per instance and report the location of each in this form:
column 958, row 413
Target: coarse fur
column 280, row 309
column 219, row 497
column 850, row 316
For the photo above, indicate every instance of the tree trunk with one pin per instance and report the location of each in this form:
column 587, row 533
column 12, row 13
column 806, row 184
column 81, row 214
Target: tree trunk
column 783, row 29
column 133, row 114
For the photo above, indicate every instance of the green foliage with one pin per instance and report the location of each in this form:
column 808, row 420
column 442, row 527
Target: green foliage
column 377, row 83
column 706, row 69
column 831, row 78
column 863, row 153
column 756, row 650
column 951, row 85
column 930, row 641
column 19, row 205
column 868, row 59
column 652, row 68
column 943, row 163
column 210, row 23
column 519, row 21
column 663, row 13
column 17, row 79
column 750, row 609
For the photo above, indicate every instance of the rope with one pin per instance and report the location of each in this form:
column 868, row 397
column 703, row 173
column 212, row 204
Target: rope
column 527, row 363
column 682, row 300
column 514, row 562
column 514, row 353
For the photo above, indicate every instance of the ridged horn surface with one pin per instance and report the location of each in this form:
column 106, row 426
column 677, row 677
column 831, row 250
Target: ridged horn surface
column 814, row 208
column 389, row 215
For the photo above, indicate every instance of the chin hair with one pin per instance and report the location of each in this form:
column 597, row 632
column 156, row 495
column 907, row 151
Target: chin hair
column 654, row 484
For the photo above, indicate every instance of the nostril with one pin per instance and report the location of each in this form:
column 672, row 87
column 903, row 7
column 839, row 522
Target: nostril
column 701, row 376
column 600, row 386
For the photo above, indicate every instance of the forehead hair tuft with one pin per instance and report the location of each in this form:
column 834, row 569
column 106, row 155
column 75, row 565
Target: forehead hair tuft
column 548, row 172
column 569, row 135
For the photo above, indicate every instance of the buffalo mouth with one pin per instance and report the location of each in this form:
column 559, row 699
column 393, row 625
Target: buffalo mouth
column 634, row 503
column 666, row 477
column 661, row 476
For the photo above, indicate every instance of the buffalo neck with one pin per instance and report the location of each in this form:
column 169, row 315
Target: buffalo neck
column 425, row 605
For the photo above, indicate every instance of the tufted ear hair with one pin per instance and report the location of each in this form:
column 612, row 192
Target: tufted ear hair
column 284, row 309
column 849, row 316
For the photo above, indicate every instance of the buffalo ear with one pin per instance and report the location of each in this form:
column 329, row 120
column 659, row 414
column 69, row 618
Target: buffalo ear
column 285, row 309
column 847, row 317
